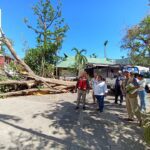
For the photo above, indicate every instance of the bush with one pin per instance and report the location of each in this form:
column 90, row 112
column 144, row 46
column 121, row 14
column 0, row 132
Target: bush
column 146, row 126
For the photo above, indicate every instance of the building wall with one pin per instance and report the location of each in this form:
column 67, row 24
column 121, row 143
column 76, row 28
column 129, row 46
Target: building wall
column 2, row 60
column 67, row 72
column 5, row 59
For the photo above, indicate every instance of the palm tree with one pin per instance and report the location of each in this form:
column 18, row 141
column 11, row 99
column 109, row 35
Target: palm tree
column 80, row 59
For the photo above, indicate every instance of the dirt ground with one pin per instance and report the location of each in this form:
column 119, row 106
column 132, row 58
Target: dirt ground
column 50, row 122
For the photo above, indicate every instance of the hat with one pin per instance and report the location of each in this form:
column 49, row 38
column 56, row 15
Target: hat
column 120, row 72
column 141, row 75
column 126, row 71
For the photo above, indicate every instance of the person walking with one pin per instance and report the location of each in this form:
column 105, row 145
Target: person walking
column 82, row 88
column 131, row 95
column 118, row 89
column 93, row 85
column 100, row 92
column 141, row 92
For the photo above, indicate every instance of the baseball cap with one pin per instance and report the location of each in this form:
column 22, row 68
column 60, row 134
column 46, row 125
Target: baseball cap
column 119, row 71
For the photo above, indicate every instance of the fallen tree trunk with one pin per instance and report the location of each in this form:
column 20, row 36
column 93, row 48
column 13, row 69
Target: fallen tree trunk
column 28, row 83
column 31, row 74
column 34, row 91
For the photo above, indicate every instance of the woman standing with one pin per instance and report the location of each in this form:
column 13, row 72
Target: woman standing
column 141, row 92
column 100, row 92
column 93, row 84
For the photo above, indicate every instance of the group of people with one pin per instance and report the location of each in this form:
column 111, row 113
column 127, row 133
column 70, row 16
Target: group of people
column 99, row 87
column 121, row 87
column 127, row 85
column 131, row 86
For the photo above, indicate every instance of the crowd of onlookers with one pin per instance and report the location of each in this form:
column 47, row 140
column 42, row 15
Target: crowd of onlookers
column 127, row 84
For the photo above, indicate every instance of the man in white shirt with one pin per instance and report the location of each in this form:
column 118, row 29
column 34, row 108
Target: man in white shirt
column 100, row 92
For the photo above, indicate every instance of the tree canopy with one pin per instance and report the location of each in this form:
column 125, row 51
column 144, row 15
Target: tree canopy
column 137, row 42
column 50, row 30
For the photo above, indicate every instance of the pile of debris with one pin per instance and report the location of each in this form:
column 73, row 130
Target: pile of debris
column 32, row 83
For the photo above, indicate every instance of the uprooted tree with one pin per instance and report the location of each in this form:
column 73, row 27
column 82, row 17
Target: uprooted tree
column 54, row 85
column 50, row 30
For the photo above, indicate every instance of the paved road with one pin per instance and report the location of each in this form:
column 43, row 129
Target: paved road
column 50, row 122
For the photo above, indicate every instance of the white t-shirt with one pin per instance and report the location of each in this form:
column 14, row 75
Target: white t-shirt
column 100, row 88
column 142, row 84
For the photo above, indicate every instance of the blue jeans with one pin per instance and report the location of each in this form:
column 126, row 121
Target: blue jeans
column 100, row 100
column 142, row 99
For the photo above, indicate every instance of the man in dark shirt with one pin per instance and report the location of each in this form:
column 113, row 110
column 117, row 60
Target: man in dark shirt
column 118, row 90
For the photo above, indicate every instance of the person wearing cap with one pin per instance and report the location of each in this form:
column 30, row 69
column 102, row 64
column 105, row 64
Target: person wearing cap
column 141, row 92
column 118, row 89
column 131, row 95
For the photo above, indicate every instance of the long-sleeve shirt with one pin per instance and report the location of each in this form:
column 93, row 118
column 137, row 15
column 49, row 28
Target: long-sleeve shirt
column 142, row 84
column 100, row 88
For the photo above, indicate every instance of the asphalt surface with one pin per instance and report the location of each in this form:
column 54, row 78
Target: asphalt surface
column 50, row 122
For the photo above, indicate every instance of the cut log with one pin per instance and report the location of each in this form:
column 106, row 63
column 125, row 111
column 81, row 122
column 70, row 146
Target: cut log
column 28, row 83
column 32, row 92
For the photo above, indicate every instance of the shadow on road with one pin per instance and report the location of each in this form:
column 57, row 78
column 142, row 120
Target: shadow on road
column 79, row 130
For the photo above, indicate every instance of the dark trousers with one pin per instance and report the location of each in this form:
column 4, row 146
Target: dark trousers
column 100, row 100
column 116, row 98
column 117, row 94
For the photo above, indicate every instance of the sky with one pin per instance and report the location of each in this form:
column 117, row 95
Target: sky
column 91, row 23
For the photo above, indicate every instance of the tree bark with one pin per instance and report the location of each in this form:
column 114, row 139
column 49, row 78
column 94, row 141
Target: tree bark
column 31, row 74
column 31, row 92
column 28, row 83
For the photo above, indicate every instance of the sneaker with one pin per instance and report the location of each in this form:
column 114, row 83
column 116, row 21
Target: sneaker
column 143, row 111
column 84, row 108
column 77, row 108
column 129, row 119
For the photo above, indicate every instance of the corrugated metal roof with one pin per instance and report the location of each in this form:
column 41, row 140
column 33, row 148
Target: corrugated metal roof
column 69, row 62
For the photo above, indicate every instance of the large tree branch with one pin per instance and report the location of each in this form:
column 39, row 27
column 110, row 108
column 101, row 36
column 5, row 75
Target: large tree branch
column 54, row 18
column 28, row 69
column 34, row 29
